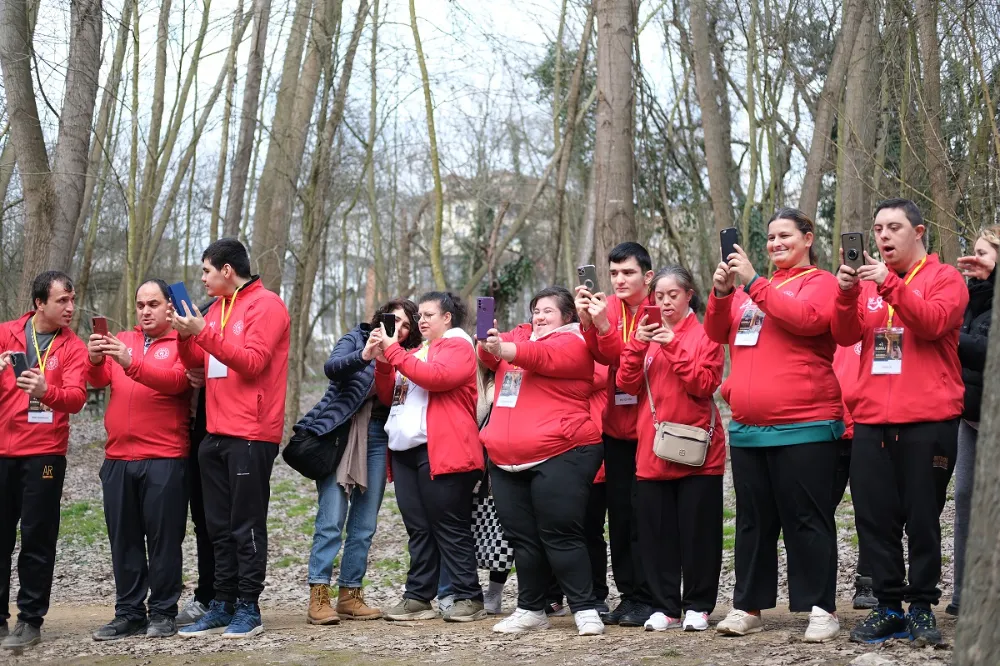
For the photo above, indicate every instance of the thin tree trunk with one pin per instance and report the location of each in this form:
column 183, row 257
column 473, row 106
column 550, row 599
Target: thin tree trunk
column 227, row 112
column 380, row 273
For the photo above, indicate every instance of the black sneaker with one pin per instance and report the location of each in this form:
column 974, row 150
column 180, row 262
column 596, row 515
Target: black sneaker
column 120, row 627
column 881, row 625
column 23, row 635
column 636, row 616
column 923, row 626
column 555, row 609
column 161, row 626
column 624, row 606
column 864, row 596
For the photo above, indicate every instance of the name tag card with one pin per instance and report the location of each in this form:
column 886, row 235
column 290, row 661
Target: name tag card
column 216, row 370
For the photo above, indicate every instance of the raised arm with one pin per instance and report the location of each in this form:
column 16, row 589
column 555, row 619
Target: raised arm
column 719, row 317
column 266, row 324
column 345, row 359
column 699, row 368
column 562, row 356
column 454, row 362
column 72, row 395
column 932, row 317
column 807, row 314
column 848, row 322
column 629, row 377
column 169, row 381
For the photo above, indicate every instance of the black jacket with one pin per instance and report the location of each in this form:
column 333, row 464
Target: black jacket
column 972, row 342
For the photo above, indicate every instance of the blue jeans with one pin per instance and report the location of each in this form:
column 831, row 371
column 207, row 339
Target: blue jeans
column 359, row 514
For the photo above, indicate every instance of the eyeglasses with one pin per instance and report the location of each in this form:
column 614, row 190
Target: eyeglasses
column 426, row 316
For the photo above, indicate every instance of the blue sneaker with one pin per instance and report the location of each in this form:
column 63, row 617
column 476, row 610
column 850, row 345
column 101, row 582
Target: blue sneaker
column 214, row 621
column 923, row 626
column 246, row 622
column 881, row 625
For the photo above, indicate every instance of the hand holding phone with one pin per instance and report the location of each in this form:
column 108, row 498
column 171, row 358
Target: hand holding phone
column 485, row 316
column 19, row 363
column 389, row 323
column 100, row 325
column 178, row 296
column 853, row 244
column 653, row 315
column 588, row 277
column 728, row 238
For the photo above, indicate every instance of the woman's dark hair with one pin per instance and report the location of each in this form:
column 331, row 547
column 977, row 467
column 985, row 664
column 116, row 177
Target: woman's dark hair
column 448, row 302
column 684, row 280
column 164, row 289
column 564, row 301
column 413, row 339
column 802, row 223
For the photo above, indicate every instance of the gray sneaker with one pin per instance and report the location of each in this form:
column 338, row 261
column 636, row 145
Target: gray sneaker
column 161, row 626
column 24, row 635
column 411, row 609
column 466, row 610
column 191, row 613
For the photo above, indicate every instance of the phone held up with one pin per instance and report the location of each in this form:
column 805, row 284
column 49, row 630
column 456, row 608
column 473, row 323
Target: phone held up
column 853, row 244
column 727, row 239
column 178, row 295
column 588, row 277
column 485, row 315
column 652, row 314
column 19, row 363
column 99, row 325
column 389, row 323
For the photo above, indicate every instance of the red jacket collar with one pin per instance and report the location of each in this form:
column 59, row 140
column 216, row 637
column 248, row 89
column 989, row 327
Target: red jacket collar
column 170, row 335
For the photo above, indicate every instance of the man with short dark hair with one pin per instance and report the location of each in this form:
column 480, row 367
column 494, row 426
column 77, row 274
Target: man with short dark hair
column 34, row 436
column 242, row 343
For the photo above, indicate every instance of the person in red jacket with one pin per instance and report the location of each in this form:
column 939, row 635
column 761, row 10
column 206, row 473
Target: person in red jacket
column 436, row 458
column 675, row 369
column 787, row 420
column 608, row 323
column 34, row 436
column 544, row 450
column 906, row 313
column 143, row 477
column 242, row 344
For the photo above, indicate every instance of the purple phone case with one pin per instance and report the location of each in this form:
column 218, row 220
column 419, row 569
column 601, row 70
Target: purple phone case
column 484, row 316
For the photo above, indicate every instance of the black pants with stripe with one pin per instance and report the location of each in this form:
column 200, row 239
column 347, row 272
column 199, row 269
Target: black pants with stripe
column 145, row 507
column 204, row 590
column 30, row 492
column 623, row 536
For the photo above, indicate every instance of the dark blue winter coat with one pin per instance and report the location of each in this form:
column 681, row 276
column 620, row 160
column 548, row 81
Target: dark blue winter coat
column 351, row 379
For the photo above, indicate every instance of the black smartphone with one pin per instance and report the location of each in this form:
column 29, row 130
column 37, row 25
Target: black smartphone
column 588, row 277
column 19, row 362
column 728, row 238
column 853, row 244
column 484, row 316
column 389, row 323
column 100, row 325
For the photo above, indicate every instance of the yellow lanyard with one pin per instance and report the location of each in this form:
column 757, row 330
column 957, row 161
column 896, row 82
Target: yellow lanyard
column 42, row 360
column 909, row 278
column 626, row 331
column 796, row 277
column 227, row 315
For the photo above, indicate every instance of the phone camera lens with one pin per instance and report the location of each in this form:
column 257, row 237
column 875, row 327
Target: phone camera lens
column 852, row 254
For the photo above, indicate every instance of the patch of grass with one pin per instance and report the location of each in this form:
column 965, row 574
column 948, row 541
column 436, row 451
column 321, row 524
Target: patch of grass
column 390, row 564
column 287, row 561
column 728, row 531
column 300, row 509
column 83, row 522
column 729, row 543
column 671, row 653
column 728, row 514
column 282, row 488
column 854, row 539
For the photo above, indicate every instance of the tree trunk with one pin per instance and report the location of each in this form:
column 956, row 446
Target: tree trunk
column 826, row 107
column 613, row 147
column 437, row 267
column 711, row 97
column 227, row 113
column 251, row 98
column 380, row 273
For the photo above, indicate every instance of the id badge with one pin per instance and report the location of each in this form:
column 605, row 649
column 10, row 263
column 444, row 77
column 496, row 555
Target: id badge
column 510, row 389
column 216, row 370
column 749, row 330
column 622, row 398
column 37, row 412
column 399, row 396
column 887, row 357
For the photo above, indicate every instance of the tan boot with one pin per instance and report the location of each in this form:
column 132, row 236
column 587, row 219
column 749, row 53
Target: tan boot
column 351, row 605
column 320, row 610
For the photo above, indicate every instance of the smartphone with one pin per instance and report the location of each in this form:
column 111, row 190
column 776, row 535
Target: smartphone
column 100, row 325
column 588, row 277
column 19, row 362
column 484, row 316
column 179, row 295
column 389, row 322
column 653, row 315
column 728, row 238
column 853, row 244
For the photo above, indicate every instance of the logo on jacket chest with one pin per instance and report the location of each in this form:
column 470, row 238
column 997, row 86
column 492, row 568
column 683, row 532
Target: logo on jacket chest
column 162, row 354
column 875, row 304
column 238, row 328
column 857, row 349
column 52, row 363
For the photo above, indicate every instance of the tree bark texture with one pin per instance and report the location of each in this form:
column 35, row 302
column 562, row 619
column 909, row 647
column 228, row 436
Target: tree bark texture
column 861, row 109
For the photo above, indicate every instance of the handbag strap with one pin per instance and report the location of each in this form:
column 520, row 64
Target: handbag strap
column 652, row 409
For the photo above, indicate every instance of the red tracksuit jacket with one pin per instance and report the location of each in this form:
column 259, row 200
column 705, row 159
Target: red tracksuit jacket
column 249, row 402
column 552, row 414
column 598, row 403
column 149, row 413
column 684, row 375
column 67, row 394
column 449, row 377
column 930, row 311
column 847, row 366
column 787, row 377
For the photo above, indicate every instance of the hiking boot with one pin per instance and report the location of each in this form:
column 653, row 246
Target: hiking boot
column 410, row 609
column 320, row 611
column 466, row 610
column 822, row 627
column 881, row 625
column 695, row 621
column 624, row 606
column 120, row 627
column 522, row 621
column 923, row 626
column 661, row 622
column 161, row 626
column 24, row 635
column 193, row 611
column 351, row 605
column 588, row 623
column 555, row 609
column 215, row 621
column 246, row 621
column 740, row 623
column 864, row 596
column 636, row 616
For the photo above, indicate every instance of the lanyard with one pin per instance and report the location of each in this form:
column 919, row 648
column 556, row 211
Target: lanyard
column 42, row 360
column 626, row 331
column 796, row 277
column 227, row 315
column 908, row 280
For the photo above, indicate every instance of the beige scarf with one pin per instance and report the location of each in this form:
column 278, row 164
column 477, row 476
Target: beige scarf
column 353, row 468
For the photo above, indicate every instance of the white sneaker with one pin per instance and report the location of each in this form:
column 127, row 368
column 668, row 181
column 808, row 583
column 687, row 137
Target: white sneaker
column 493, row 602
column 660, row 622
column 521, row 621
column 695, row 621
column 589, row 623
column 740, row 623
column 822, row 627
